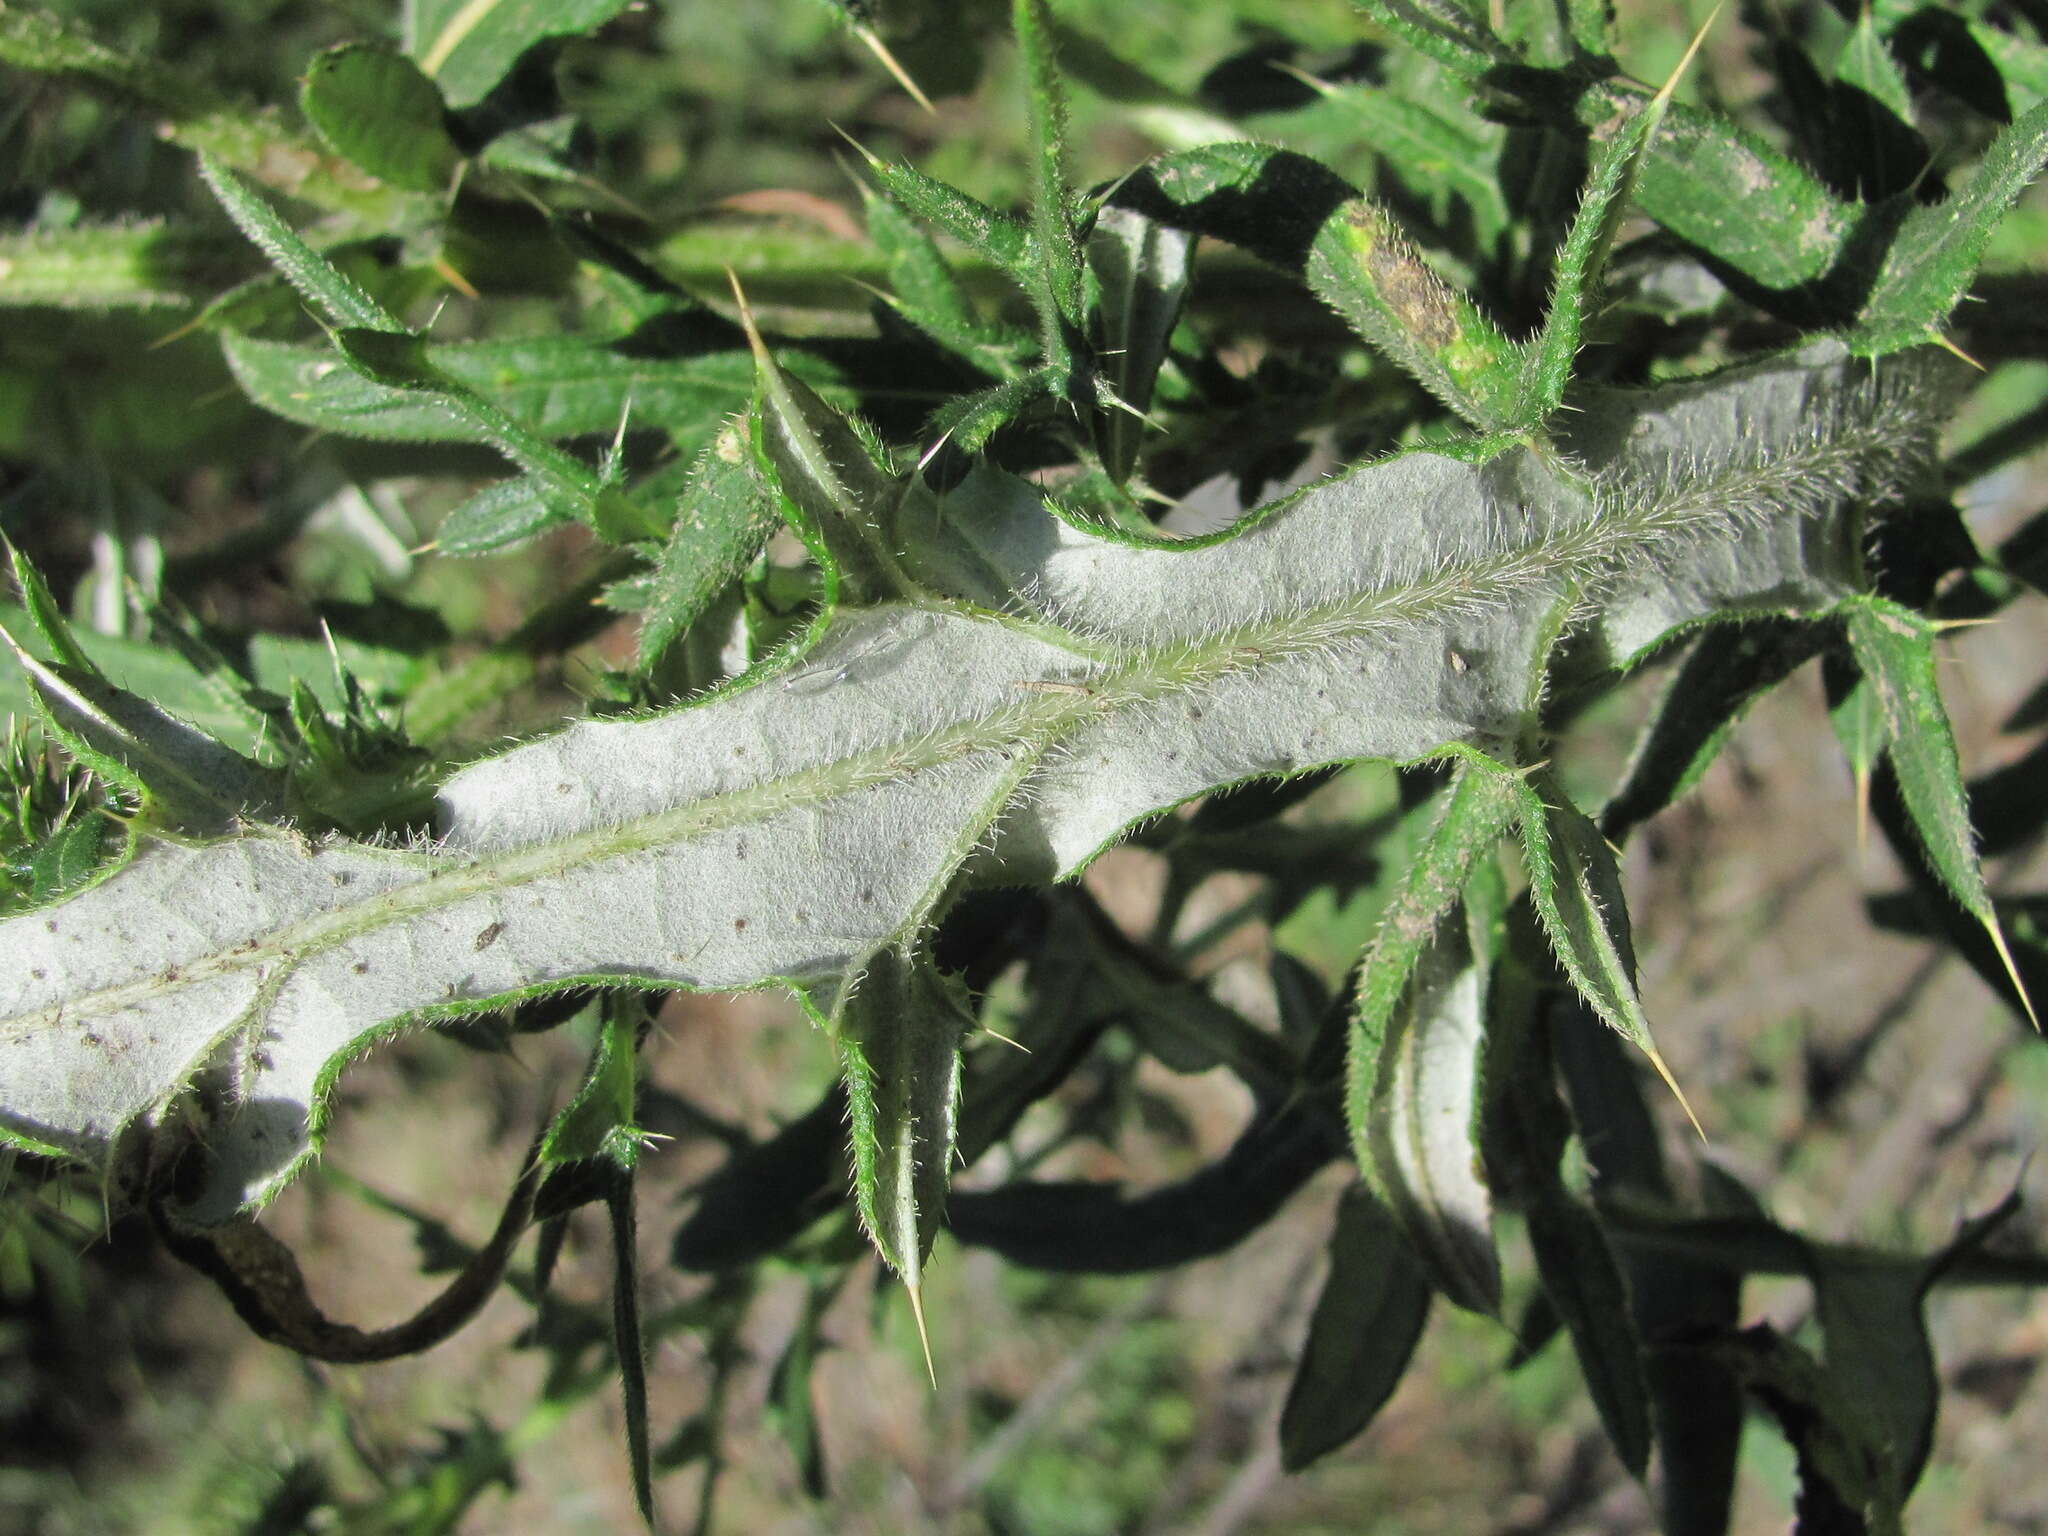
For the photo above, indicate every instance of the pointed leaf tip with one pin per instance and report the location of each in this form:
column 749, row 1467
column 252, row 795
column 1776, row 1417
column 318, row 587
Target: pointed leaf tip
column 1664, row 1071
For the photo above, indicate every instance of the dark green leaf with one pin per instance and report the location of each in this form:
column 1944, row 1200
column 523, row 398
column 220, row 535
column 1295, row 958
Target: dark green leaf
column 791, row 1405
column 1365, row 1326
column 1575, row 888
column 376, row 109
column 330, row 291
column 1584, row 1284
column 1894, row 649
column 561, row 386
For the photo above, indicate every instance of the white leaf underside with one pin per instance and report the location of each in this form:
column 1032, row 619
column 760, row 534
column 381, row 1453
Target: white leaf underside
column 783, row 830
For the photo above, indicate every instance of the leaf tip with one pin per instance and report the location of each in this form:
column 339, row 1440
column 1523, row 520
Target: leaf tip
column 754, row 342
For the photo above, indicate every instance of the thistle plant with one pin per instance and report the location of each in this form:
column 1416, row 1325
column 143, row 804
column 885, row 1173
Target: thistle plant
column 1679, row 404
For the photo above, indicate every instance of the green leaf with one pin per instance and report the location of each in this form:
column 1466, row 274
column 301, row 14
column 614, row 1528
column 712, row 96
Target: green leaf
column 68, row 858
column 1575, row 287
column 1866, row 63
column 899, row 1035
column 1141, row 270
column 1720, row 188
column 191, row 785
column 1872, row 1315
column 1056, row 285
column 377, row 346
column 725, row 518
column 376, row 109
column 1583, row 1282
column 468, row 46
column 969, row 421
column 931, row 297
column 1418, row 1028
column 1446, row 30
column 45, row 617
column 1894, row 648
column 629, row 1345
column 1575, row 888
column 823, row 467
column 1363, row 267
column 1363, row 1331
column 601, row 1121
column 1727, row 669
column 1844, row 1485
column 141, row 265
column 1936, row 253
column 318, row 281
column 560, row 386
column 498, row 516
column 1272, row 202
column 1045, row 687
column 1002, row 239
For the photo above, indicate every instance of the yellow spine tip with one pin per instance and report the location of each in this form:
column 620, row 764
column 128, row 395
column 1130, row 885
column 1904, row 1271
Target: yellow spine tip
column 2012, row 970
column 1664, row 1071
column 1947, row 345
column 924, row 1338
column 881, row 51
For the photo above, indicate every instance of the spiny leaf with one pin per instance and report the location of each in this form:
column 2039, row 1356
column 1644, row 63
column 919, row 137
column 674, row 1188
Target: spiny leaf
column 1416, row 1034
column 561, row 386
column 817, row 460
column 899, row 1034
column 1438, row 152
column 1056, row 286
column 1048, row 686
column 1938, row 248
column 1583, row 1282
column 376, row 109
column 375, row 344
column 1363, row 1331
column 1610, row 183
column 499, row 516
column 1724, row 190
column 190, row 784
column 318, row 281
column 1002, row 239
column 1363, row 267
column 1576, row 890
column 931, row 297
column 725, row 518
column 1894, row 649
